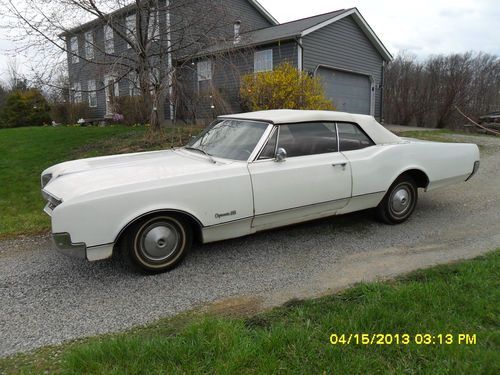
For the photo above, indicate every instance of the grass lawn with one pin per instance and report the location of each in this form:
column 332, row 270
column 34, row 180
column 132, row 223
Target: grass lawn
column 462, row 298
column 26, row 152
column 440, row 135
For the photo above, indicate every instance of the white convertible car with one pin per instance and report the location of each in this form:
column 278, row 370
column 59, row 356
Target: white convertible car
column 245, row 173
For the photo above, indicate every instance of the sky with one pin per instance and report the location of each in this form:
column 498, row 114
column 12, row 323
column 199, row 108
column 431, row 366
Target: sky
column 421, row 27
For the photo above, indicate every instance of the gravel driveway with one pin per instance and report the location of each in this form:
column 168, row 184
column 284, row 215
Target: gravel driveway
column 47, row 298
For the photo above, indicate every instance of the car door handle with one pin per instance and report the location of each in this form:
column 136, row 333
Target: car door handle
column 339, row 165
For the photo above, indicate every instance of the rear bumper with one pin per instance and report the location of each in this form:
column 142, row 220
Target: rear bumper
column 65, row 246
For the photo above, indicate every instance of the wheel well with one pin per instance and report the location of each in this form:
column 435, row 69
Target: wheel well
column 188, row 219
column 418, row 176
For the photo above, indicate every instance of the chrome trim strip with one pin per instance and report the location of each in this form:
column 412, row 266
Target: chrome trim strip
column 261, row 143
column 268, row 138
column 294, row 208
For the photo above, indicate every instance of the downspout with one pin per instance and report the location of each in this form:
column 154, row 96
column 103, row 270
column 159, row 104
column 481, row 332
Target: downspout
column 169, row 65
column 300, row 58
column 300, row 54
column 382, row 85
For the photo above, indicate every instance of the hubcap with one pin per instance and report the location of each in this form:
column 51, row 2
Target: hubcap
column 159, row 241
column 401, row 200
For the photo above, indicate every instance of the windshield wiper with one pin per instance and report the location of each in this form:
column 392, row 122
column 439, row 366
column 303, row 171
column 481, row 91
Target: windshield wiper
column 202, row 151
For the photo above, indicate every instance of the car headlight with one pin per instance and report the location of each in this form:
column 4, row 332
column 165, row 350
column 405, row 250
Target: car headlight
column 46, row 179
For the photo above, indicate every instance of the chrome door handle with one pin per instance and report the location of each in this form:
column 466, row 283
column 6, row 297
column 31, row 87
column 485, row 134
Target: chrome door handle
column 343, row 165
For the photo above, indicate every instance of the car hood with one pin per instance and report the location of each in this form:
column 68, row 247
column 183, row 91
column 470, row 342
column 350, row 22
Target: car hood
column 79, row 177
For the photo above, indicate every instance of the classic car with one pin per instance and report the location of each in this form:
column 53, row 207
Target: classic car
column 245, row 173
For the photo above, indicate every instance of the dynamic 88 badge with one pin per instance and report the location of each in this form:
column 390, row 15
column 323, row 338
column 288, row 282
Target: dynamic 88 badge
column 403, row 339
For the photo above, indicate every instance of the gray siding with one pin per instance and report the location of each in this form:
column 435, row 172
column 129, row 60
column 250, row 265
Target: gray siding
column 83, row 71
column 344, row 45
column 223, row 92
column 250, row 17
column 227, row 76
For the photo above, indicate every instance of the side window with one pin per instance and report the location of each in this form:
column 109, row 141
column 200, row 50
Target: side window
column 352, row 137
column 308, row 138
column 268, row 151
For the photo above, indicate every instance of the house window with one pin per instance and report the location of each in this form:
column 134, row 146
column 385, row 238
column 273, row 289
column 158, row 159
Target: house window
column 154, row 25
column 133, row 84
column 263, row 61
column 130, row 24
column 109, row 43
column 89, row 45
column 204, row 70
column 77, row 92
column 92, row 93
column 74, row 49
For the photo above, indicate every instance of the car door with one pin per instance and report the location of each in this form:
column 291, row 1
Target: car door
column 314, row 180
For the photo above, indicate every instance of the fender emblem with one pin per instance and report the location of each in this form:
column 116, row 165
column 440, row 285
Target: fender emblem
column 232, row 213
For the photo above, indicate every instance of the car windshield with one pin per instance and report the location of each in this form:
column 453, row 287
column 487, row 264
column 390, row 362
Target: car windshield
column 229, row 139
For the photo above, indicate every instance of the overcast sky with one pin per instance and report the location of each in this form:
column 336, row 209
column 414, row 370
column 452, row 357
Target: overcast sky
column 421, row 27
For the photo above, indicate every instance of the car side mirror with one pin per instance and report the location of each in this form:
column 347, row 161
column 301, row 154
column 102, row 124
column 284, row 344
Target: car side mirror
column 280, row 155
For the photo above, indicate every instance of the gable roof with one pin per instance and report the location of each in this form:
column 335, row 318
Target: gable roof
column 264, row 12
column 288, row 29
column 301, row 28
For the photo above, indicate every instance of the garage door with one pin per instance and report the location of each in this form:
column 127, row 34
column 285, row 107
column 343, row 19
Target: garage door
column 349, row 92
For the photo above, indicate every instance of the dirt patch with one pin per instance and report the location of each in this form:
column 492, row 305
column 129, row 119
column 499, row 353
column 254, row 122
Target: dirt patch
column 235, row 306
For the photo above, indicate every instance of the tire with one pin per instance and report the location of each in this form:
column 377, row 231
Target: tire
column 399, row 202
column 157, row 243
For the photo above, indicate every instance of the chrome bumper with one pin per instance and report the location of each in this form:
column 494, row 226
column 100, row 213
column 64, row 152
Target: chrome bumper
column 65, row 246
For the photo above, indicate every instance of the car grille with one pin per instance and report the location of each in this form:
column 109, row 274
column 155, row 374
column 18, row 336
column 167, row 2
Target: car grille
column 52, row 202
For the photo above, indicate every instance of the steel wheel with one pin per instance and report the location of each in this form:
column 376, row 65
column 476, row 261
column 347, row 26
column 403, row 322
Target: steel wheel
column 399, row 202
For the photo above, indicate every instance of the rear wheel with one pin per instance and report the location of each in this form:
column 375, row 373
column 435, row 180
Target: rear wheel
column 158, row 243
column 399, row 202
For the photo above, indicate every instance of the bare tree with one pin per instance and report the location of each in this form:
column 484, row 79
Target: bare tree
column 427, row 93
column 16, row 80
column 145, row 41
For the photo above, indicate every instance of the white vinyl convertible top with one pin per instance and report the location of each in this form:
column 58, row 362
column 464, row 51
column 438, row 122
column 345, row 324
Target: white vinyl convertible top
column 377, row 132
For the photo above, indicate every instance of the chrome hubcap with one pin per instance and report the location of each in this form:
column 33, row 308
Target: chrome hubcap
column 159, row 241
column 400, row 201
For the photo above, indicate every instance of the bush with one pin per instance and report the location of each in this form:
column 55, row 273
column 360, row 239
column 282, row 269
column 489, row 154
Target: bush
column 284, row 87
column 133, row 109
column 25, row 108
column 69, row 113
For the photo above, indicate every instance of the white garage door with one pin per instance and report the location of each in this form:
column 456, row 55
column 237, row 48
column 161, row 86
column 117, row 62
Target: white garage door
column 349, row 92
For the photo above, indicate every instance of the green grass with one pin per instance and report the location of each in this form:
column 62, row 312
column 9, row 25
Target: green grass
column 440, row 135
column 457, row 298
column 26, row 152
column 434, row 135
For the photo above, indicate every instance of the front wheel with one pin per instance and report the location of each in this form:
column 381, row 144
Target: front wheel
column 399, row 202
column 158, row 244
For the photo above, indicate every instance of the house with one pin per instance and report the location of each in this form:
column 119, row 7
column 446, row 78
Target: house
column 338, row 47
